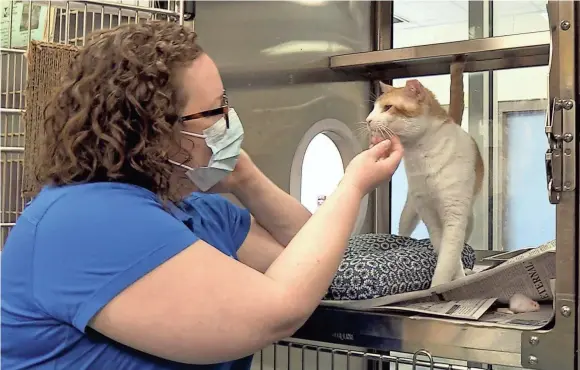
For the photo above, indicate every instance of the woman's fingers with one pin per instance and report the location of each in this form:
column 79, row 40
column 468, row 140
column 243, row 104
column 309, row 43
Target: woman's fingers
column 396, row 144
column 375, row 140
column 391, row 161
column 380, row 150
column 390, row 154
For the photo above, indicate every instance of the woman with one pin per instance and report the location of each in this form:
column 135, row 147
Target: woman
column 116, row 264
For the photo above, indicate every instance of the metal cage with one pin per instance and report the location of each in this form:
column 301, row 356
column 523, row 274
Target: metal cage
column 51, row 18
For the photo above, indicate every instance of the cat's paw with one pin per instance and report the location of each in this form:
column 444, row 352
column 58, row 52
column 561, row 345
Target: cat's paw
column 460, row 273
column 468, row 271
column 438, row 281
column 519, row 303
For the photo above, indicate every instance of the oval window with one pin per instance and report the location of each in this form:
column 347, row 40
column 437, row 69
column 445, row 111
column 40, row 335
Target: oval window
column 319, row 163
column 322, row 169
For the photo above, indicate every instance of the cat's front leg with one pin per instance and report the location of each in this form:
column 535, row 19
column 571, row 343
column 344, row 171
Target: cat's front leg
column 469, row 230
column 460, row 273
column 449, row 265
column 409, row 218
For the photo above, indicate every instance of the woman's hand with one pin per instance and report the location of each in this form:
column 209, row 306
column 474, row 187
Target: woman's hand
column 375, row 165
column 243, row 172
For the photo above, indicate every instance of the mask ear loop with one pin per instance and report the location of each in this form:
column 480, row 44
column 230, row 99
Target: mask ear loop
column 181, row 150
column 184, row 166
column 192, row 134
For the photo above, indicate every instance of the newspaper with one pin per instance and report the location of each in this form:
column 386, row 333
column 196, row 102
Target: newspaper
column 469, row 309
column 529, row 273
column 498, row 319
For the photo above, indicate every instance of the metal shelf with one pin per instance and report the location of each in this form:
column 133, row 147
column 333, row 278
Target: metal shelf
column 398, row 332
column 493, row 53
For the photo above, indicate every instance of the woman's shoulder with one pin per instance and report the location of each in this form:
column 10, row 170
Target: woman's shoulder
column 100, row 193
column 90, row 191
column 88, row 201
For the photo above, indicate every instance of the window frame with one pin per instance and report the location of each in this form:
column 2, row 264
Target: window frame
column 348, row 146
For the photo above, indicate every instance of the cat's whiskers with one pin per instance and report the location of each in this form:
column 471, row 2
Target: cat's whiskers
column 362, row 128
column 385, row 131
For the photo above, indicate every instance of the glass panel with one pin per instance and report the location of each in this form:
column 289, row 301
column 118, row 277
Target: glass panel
column 529, row 218
column 429, row 22
column 515, row 17
column 322, row 169
column 524, row 216
column 512, row 210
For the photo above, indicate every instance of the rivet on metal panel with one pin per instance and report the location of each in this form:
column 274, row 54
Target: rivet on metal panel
column 532, row 360
column 565, row 311
column 534, row 340
column 565, row 25
column 568, row 137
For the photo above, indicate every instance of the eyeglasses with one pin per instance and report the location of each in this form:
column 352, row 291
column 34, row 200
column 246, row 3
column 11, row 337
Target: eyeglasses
column 223, row 109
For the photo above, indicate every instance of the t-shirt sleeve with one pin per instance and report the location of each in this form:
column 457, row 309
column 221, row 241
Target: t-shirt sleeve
column 234, row 220
column 240, row 221
column 90, row 248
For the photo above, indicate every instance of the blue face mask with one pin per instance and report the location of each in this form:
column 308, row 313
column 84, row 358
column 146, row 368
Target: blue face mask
column 225, row 144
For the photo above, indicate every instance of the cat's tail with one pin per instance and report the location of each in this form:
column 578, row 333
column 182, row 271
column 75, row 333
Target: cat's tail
column 457, row 100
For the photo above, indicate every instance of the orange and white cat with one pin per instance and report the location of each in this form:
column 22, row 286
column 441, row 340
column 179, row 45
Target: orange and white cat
column 443, row 165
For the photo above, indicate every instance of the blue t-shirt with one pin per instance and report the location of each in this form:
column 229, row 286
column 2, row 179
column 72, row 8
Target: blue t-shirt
column 74, row 248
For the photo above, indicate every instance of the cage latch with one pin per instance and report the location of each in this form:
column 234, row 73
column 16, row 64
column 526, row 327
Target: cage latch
column 560, row 156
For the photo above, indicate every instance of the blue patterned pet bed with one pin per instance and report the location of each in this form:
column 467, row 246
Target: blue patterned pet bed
column 378, row 265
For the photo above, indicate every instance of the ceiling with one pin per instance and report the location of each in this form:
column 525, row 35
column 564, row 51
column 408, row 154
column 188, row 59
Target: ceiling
column 430, row 13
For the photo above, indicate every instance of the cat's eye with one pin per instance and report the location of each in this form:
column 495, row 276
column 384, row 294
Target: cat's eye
column 386, row 108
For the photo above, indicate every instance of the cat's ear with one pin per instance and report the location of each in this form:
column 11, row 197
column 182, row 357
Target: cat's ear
column 414, row 88
column 384, row 87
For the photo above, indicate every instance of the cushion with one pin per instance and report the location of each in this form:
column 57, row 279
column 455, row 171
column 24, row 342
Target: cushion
column 378, row 265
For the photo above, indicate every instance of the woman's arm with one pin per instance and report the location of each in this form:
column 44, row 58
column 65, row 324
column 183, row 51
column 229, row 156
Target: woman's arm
column 273, row 209
column 204, row 307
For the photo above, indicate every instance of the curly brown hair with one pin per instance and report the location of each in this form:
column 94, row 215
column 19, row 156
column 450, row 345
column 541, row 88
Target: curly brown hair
column 115, row 115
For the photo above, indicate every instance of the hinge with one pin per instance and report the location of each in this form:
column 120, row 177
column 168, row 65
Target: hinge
column 561, row 153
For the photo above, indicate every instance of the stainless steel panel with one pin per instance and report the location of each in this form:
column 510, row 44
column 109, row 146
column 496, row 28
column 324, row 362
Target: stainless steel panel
column 577, row 192
column 396, row 332
column 274, row 63
column 526, row 50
